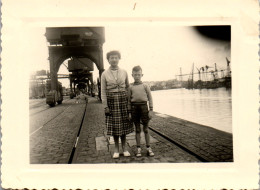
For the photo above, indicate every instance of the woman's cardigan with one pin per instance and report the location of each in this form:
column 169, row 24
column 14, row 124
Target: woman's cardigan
column 110, row 84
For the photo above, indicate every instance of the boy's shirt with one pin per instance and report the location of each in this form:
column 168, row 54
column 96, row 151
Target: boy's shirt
column 139, row 92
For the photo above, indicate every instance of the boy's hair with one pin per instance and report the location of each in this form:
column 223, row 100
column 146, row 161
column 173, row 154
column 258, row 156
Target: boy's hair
column 114, row 52
column 137, row 68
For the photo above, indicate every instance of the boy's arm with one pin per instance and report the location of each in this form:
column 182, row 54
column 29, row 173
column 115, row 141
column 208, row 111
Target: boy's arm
column 150, row 98
column 129, row 99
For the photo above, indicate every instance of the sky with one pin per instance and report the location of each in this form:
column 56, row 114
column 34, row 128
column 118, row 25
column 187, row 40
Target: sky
column 160, row 50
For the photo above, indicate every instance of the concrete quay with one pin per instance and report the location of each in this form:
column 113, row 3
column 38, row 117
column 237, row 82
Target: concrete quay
column 53, row 134
column 209, row 144
column 95, row 147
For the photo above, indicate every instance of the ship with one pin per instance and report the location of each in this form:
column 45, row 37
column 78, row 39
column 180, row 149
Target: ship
column 208, row 79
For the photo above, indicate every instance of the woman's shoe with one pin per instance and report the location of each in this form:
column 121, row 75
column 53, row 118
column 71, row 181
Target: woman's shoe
column 116, row 155
column 139, row 152
column 126, row 154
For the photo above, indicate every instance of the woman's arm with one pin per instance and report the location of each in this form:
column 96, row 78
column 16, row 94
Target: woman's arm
column 126, row 82
column 103, row 90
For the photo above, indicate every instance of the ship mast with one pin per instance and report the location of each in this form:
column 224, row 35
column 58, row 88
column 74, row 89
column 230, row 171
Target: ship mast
column 199, row 73
column 228, row 67
column 192, row 75
column 216, row 71
column 181, row 76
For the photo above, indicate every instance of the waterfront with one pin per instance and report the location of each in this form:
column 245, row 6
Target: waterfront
column 74, row 133
column 211, row 107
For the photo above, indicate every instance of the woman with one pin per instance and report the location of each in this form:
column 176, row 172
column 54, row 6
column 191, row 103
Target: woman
column 114, row 86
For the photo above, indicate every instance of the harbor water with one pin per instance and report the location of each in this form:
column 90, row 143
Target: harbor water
column 211, row 107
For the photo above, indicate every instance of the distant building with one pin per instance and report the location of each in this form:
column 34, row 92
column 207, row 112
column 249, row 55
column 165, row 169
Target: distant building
column 36, row 89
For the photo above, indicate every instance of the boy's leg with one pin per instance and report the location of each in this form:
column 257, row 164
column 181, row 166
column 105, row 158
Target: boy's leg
column 136, row 119
column 146, row 135
column 138, row 139
column 145, row 121
column 138, row 134
column 147, row 139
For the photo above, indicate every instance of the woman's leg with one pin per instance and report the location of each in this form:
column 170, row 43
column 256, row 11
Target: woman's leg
column 123, row 141
column 116, row 139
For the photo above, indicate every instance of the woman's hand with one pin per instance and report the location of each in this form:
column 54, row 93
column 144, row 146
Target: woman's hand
column 150, row 114
column 107, row 111
column 130, row 116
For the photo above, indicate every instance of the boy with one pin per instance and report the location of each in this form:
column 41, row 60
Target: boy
column 139, row 95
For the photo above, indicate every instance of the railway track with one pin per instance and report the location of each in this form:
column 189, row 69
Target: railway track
column 159, row 133
column 36, row 105
column 77, row 138
column 49, row 120
column 57, row 141
column 76, row 141
column 172, row 141
column 42, row 104
column 74, row 122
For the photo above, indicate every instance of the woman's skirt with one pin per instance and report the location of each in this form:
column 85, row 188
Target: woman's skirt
column 118, row 122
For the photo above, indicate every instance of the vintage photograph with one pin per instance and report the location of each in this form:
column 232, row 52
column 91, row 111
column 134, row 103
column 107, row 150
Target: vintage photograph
column 131, row 94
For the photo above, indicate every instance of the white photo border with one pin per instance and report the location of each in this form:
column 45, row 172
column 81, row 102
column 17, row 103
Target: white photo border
column 242, row 173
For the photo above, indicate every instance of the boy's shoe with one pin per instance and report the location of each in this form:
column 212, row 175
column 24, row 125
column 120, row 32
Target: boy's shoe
column 139, row 152
column 150, row 152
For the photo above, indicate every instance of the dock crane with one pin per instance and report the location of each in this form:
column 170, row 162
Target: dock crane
column 74, row 43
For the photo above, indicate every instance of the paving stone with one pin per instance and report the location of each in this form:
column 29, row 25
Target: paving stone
column 101, row 143
column 201, row 140
column 58, row 137
column 93, row 126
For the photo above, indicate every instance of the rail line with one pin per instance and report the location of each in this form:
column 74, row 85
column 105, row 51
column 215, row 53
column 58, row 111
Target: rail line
column 49, row 120
column 172, row 141
column 77, row 138
column 32, row 114
column 169, row 139
column 39, row 111
column 76, row 141
column 37, row 105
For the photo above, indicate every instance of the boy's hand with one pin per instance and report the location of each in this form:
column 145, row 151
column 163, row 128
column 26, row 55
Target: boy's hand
column 150, row 114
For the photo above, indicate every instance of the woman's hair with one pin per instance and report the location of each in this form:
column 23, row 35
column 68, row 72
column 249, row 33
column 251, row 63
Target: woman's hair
column 114, row 52
column 136, row 68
